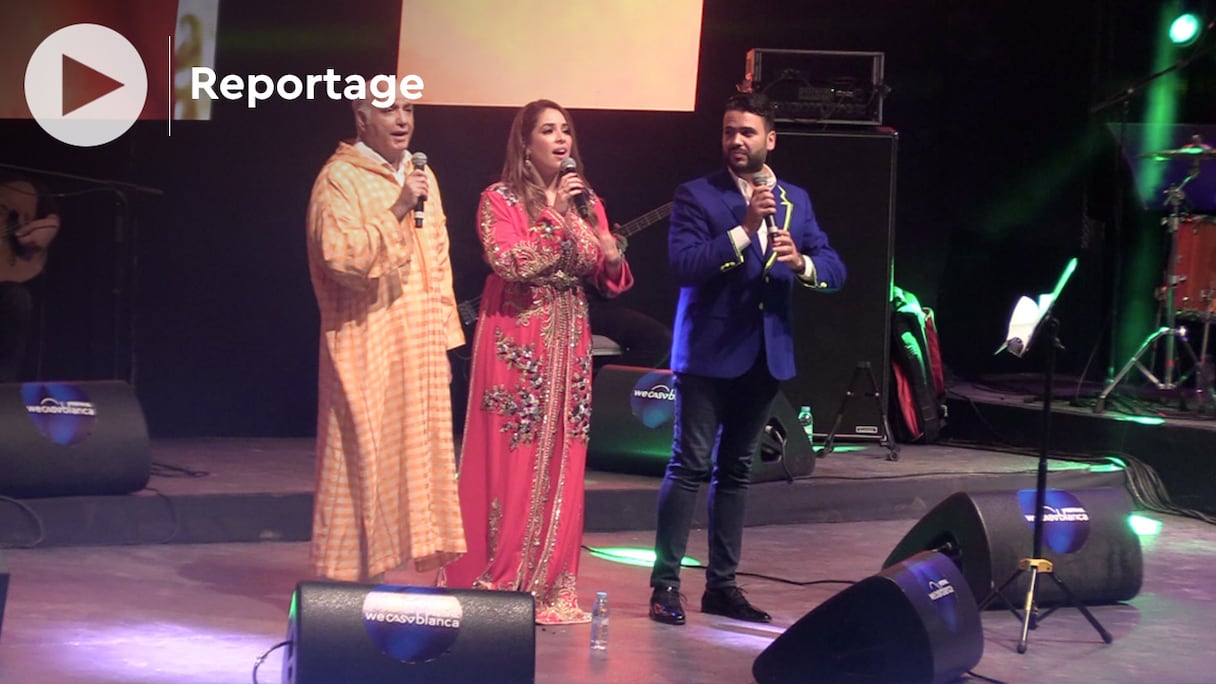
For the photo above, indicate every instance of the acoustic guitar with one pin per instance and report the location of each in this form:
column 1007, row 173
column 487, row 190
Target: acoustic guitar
column 17, row 264
column 468, row 308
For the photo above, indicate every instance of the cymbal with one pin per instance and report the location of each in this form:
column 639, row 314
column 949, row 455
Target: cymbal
column 1190, row 153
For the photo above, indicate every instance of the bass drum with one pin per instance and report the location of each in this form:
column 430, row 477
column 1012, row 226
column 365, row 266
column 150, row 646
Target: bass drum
column 1195, row 265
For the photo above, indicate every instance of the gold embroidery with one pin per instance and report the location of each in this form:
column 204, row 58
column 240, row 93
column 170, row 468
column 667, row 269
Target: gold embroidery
column 560, row 605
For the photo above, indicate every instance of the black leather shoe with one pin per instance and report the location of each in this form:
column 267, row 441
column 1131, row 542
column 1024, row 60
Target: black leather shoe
column 730, row 602
column 666, row 606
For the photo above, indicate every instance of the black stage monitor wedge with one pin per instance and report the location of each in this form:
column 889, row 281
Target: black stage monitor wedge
column 376, row 634
column 631, row 424
column 1086, row 536
column 72, row 439
column 913, row 623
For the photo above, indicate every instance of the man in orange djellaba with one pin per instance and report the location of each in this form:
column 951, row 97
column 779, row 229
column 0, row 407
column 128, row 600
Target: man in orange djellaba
column 386, row 499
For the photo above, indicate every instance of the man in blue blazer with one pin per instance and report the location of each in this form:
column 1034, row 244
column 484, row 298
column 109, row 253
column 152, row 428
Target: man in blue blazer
column 741, row 242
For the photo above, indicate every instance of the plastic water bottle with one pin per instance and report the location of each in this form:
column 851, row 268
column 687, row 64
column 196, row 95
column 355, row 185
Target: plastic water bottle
column 599, row 622
column 807, row 420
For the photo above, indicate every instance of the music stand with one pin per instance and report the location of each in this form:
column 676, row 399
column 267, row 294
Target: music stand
column 1030, row 320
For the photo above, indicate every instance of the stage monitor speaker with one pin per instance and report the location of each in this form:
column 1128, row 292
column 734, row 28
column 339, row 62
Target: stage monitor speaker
column 631, row 423
column 376, row 634
column 1086, row 536
column 850, row 176
column 72, row 439
column 913, row 622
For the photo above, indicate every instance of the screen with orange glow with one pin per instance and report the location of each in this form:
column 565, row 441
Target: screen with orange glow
column 589, row 54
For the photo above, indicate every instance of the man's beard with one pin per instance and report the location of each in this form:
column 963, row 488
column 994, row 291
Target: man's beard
column 751, row 165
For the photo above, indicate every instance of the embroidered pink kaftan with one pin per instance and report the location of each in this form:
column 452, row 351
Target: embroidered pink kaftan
column 525, row 441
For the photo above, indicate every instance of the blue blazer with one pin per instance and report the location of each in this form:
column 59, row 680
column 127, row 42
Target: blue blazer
column 730, row 303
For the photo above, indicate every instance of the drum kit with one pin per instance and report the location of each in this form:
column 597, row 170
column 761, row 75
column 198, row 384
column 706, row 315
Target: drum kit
column 1189, row 290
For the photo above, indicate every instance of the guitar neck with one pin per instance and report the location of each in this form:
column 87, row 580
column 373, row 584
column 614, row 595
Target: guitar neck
column 645, row 220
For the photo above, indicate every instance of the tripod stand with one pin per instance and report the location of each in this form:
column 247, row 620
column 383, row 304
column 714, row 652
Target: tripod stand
column 1173, row 333
column 885, row 438
column 1036, row 564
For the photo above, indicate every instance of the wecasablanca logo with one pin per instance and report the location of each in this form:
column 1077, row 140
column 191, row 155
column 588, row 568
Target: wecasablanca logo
column 653, row 400
column 257, row 88
column 1066, row 522
column 940, row 589
column 61, row 411
column 412, row 624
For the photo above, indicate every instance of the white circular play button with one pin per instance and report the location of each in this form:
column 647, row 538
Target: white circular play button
column 85, row 84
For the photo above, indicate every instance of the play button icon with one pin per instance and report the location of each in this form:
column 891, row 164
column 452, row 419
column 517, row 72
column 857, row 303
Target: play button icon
column 85, row 84
column 82, row 84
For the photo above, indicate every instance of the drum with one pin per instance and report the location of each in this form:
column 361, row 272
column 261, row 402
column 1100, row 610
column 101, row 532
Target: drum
column 1196, row 265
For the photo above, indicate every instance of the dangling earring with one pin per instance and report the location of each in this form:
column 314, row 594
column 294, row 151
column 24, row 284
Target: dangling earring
column 527, row 158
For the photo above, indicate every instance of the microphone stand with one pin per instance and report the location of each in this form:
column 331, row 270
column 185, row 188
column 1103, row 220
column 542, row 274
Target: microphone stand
column 125, row 260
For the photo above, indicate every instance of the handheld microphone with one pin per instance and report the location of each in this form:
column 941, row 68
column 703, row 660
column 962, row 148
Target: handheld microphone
column 419, row 161
column 568, row 165
column 760, row 180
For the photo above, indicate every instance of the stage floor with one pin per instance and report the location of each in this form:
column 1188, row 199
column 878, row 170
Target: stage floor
column 189, row 581
column 202, row 614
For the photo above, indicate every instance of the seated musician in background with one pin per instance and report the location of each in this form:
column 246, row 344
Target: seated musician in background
column 30, row 223
column 644, row 341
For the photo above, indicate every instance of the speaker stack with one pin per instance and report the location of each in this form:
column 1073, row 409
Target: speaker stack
column 1086, row 536
column 631, row 428
column 850, row 175
column 377, row 634
column 915, row 622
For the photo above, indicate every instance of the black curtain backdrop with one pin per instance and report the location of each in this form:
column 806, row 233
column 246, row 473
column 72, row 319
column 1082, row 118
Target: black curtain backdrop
column 202, row 295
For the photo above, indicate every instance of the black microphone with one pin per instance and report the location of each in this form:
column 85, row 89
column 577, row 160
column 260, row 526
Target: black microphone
column 419, row 161
column 761, row 180
column 568, row 165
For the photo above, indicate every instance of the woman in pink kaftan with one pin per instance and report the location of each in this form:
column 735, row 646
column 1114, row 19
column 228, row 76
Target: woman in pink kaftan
column 525, row 440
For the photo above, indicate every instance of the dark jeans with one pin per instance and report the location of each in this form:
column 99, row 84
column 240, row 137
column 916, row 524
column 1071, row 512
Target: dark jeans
column 16, row 311
column 732, row 411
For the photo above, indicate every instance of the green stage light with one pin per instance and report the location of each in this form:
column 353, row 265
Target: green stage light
column 1105, row 468
column 1144, row 526
column 1141, row 420
column 1185, row 29
column 846, row 449
column 643, row 558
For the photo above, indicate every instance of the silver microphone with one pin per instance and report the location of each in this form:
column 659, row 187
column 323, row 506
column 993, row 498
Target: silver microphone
column 568, row 165
column 419, row 161
column 761, row 180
